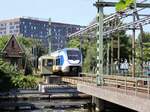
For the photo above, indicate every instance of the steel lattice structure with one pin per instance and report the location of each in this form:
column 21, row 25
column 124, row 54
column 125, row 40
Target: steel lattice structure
column 112, row 24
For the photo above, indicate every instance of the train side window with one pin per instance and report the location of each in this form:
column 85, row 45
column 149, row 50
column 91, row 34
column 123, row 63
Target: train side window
column 49, row 62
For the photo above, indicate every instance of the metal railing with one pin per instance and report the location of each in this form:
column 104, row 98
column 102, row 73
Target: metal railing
column 138, row 86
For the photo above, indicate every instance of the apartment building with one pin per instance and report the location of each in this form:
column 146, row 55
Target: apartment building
column 39, row 28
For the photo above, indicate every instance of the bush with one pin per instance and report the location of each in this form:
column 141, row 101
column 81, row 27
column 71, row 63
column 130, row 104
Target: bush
column 10, row 78
column 24, row 82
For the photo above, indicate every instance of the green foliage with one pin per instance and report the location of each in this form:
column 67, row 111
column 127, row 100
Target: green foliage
column 146, row 47
column 88, row 48
column 11, row 78
column 7, row 69
column 3, row 41
column 22, row 81
column 146, row 51
column 6, row 72
column 26, row 42
column 27, row 45
column 74, row 43
column 90, row 59
column 125, row 42
column 122, row 5
column 89, row 51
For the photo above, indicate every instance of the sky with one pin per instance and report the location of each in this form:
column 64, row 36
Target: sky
column 79, row 12
column 69, row 11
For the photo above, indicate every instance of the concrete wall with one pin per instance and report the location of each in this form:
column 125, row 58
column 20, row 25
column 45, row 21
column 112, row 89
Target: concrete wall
column 129, row 101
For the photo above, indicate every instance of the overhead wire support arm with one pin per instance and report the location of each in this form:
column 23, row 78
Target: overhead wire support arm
column 143, row 21
column 107, row 19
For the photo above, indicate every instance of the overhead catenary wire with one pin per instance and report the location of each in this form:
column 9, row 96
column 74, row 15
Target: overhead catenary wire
column 107, row 19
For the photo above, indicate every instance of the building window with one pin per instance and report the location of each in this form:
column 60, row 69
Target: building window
column 3, row 28
column 11, row 27
column 17, row 26
column 34, row 27
column 10, row 23
column 16, row 22
column 10, row 31
column 16, row 31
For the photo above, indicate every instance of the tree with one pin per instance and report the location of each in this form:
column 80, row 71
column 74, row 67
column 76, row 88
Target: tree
column 122, row 5
column 89, row 51
column 6, row 72
column 125, row 44
column 27, row 45
column 3, row 41
column 10, row 78
column 90, row 59
column 146, row 47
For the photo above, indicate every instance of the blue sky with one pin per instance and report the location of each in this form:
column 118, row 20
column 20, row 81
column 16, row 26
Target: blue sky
column 79, row 12
column 70, row 11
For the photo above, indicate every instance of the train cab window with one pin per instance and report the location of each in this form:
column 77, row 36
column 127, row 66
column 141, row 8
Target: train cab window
column 74, row 55
column 57, row 61
column 49, row 62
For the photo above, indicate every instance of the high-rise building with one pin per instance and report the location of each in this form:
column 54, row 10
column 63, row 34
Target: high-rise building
column 39, row 28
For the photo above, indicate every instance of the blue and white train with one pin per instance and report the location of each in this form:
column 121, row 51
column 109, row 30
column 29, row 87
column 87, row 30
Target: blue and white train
column 68, row 61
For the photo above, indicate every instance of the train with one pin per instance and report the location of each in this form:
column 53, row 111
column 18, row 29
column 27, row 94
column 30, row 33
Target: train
column 45, row 65
column 67, row 61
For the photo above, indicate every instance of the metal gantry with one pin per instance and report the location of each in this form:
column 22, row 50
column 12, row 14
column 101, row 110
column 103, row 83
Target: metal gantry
column 133, row 43
column 109, row 25
column 99, row 36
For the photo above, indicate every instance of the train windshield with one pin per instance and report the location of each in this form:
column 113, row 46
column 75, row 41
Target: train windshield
column 74, row 55
column 49, row 62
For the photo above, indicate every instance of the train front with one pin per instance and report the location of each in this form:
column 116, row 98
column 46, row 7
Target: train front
column 73, row 64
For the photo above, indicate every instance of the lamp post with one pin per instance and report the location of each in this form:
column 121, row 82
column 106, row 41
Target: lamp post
column 49, row 37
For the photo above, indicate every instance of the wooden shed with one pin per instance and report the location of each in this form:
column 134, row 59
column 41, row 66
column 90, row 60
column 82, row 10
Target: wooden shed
column 13, row 52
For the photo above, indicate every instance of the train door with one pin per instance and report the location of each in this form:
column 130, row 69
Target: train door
column 50, row 65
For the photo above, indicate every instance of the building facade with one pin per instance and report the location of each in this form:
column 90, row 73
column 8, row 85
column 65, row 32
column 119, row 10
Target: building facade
column 38, row 28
